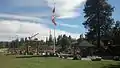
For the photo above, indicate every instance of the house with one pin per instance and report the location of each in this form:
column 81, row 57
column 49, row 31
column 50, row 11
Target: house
column 84, row 48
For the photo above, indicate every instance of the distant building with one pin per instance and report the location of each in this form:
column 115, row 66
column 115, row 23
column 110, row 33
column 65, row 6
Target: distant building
column 84, row 48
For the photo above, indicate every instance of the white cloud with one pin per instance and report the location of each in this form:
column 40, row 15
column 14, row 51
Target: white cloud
column 66, row 8
column 18, row 17
column 70, row 26
column 36, row 14
column 61, row 32
column 9, row 29
column 28, row 3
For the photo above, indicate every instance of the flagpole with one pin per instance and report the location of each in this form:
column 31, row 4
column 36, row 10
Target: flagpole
column 54, row 30
column 53, row 20
column 54, row 39
column 54, row 36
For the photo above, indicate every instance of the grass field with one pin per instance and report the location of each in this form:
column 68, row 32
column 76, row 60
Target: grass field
column 38, row 62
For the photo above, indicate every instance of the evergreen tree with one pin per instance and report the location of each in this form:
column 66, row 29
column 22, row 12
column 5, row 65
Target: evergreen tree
column 46, row 42
column 59, row 40
column 64, row 42
column 98, row 15
column 69, row 40
column 80, row 39
column 50, row 42
column 16, row 43
column 22, row 41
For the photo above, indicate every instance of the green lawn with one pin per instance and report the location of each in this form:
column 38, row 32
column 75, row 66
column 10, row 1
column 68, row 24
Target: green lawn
column 12, row 62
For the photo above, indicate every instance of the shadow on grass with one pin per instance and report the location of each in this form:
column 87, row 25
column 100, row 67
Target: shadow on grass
column 32, row 56
column 112, row 66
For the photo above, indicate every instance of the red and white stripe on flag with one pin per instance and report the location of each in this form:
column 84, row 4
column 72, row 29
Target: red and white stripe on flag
column 53, row 17
column 53, row 20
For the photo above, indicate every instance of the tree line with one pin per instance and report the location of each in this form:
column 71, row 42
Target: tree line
column 62, row 41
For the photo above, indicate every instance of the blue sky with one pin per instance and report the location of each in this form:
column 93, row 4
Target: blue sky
column 116, row 4
column 70, row 13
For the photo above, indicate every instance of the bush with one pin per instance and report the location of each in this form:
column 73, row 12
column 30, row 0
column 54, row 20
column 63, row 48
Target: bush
column 116, row 58
column 77, row 57
column 65, row 57
column 30, row 53
column 96, row 59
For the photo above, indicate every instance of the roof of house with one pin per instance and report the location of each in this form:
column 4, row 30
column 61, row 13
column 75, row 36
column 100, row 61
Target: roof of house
column 85, row 43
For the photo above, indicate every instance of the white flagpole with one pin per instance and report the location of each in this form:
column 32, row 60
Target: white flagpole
column 54, row 39
column 54, row 32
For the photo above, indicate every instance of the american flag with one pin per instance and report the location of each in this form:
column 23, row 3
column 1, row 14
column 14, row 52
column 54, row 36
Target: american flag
column 53, row 17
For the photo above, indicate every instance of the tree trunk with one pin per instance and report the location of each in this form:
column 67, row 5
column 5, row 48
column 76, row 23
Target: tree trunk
column 98, row 28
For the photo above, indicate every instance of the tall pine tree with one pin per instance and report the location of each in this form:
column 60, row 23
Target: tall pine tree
column 59, row 38
column 50, row 41
column 98, row 15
